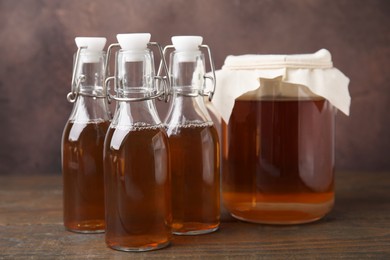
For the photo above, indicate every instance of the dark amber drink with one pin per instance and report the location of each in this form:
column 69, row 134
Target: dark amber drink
column 278, row 160
column 195, row 179
column 137, row 187
column 82, row 168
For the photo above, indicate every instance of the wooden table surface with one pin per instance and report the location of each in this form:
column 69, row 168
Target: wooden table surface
column 358, row 227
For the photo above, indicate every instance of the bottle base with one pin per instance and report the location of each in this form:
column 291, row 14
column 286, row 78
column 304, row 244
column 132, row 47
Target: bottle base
column 193, row 230
column 86, row 231
column 86, row 227
column 145, row 248
column 282, row 213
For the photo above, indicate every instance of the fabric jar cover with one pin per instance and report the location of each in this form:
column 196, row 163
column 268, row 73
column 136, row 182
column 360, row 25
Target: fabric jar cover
column 242, row 74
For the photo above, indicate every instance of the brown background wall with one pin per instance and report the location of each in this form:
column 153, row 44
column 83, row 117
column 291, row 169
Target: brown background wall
column 37, row 44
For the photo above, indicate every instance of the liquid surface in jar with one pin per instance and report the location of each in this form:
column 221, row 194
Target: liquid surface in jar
column 83, row 179
column 278, row 161
column 137, row 186
column 195, row 179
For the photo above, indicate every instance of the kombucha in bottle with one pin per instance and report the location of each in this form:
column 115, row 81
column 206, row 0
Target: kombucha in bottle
column 136, row 155
column 193, row 142
column 83, row 138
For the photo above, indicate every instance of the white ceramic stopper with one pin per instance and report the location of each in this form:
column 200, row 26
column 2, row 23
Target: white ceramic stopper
column 133, row 41
column 187, row 43
column 93, row 44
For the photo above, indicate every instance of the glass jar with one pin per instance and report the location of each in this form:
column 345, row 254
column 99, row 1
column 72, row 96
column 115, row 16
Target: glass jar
column 278, row 142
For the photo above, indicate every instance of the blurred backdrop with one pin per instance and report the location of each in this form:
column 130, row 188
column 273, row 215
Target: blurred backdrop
column 37, row 45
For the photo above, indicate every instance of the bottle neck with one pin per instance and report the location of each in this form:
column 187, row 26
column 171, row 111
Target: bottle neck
column 134, row 85
column 187, row 72
column 89, row 73
column 187, row 110
column 135, row 74
column 137, row 114
column 89, row 109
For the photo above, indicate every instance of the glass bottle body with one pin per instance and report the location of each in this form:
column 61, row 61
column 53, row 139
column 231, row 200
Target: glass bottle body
column 82, row 165
column 137, row 181
column 194, row 148
column 278, row 160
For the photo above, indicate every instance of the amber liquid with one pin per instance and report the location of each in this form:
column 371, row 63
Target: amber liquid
column 82, row 169
column 195, row 180
column 278, row 161
column 137, row 186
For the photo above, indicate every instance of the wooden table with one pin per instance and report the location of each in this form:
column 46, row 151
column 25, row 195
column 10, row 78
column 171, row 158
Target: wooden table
column 358, row 227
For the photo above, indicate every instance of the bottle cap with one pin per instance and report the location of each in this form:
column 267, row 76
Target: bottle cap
column 187, row 43
column 133, row 41
column 93, row 44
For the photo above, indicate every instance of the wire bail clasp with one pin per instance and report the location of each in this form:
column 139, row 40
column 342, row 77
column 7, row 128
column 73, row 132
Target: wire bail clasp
column 164, row 80
column 75, row 84
column 106, row 85
column 210, row 93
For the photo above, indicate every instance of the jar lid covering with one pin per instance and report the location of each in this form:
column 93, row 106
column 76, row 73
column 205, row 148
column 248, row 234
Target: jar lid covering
column 321, row 59
column 242, row 74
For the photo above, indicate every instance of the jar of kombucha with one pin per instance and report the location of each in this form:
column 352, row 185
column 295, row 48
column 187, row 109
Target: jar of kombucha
column 193, row 142
column 136, row 154
column 278, row 138
column 83, row 138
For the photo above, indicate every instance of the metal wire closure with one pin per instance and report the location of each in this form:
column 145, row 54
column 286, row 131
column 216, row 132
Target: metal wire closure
column 210, row 94
column 106, row 87
column 166, row 81
column 72, row 95
column 161, row 95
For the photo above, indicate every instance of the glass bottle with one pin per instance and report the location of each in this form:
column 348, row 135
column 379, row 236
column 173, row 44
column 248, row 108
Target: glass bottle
column 83, row 138
column 136, row 155
column 193, row 142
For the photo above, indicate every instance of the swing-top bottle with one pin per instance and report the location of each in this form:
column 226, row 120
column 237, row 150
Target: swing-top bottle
column 193, row 142
column 83, row 138
column 136, row 154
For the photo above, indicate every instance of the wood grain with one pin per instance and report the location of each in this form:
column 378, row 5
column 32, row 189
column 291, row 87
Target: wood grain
column 358, row 227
